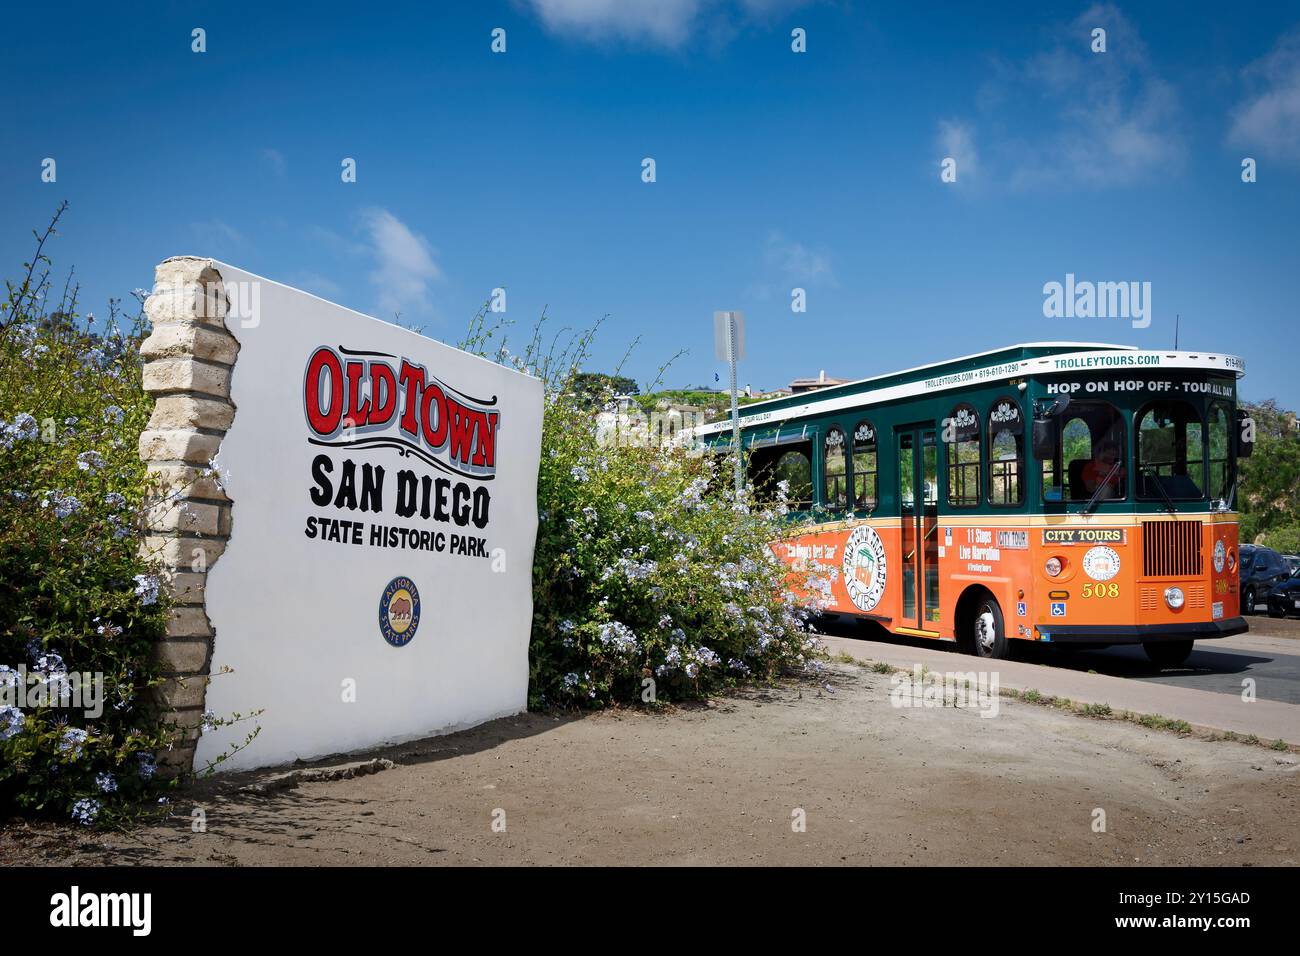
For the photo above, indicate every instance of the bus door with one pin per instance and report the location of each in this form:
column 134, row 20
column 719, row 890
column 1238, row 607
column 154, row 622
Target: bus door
column 918, row 489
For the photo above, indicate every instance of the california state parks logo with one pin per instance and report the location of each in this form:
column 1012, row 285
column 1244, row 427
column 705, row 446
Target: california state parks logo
column 864, row 567
column 399, row 611
column 1101, row 563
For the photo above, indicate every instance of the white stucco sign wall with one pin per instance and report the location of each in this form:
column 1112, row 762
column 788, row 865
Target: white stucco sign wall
column 374, row 584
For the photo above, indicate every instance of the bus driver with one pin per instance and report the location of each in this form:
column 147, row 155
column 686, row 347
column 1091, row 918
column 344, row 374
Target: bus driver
column 1102, row 469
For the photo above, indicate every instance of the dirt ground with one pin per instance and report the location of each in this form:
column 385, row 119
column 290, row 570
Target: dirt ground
column 721, row 784
column 1288, row 627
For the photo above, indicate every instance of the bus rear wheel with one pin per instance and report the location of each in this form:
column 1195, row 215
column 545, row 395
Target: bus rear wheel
column 1168, row 653
column 988, row 634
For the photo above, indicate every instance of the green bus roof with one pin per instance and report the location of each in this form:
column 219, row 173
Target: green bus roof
column 1012, row 361
column 999, row 356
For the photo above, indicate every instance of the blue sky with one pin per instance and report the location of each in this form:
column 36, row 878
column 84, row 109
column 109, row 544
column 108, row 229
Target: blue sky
column 774, row 169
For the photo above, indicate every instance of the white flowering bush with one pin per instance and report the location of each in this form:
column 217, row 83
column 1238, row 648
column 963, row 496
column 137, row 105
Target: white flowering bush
column 651, row 580
column 75, row 595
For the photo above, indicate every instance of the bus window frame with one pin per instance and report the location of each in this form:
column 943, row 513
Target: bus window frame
column 809, row 440
column 1230, row 475
column 824, row 498
column 1138, row 466
column 1023, row 455
column 980, row 470
column 1061, row 468
column 853, row 468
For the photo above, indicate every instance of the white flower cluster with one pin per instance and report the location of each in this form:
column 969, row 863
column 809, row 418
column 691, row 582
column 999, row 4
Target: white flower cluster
column 22, row 428
column 618, row 637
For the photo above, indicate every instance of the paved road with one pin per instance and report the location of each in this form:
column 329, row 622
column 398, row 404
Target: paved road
column 1219, row 666
column 1206, row 691
column 1269, row 654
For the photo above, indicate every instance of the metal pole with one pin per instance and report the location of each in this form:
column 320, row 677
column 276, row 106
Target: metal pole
column 731, row 333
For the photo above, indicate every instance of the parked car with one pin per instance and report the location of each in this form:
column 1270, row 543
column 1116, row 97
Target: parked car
column 1284, row 599
column 1262, row 569
column 1292, row 562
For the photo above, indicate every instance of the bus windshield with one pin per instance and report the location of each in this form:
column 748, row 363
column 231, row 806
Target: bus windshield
column 1179, row 451
column 1170, row 451
column 1086, row 457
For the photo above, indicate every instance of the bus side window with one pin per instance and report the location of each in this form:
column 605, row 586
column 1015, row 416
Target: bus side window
column 791, row 463
column 961, row 435
column 795, row 467
column 836, row 470
column 1076, row 446
column 1219, row 445
column 1050, row 465
column 865, row 467
column 1006, row 453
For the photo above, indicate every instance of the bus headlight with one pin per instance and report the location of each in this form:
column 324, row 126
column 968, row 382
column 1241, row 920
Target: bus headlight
column 1052, row 567
column 1232, row 559
column 1174, row 598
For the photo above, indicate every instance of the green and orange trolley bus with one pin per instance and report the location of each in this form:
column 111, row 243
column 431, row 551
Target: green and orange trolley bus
column 1060, row 493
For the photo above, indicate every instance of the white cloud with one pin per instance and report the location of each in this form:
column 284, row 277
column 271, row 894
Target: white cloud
column 1082, row 118
column 770, row 8
column 1269, row 119
column 957, row 141
column 317, row 284
column 664, row 23
column 336, row 244
column 795, row 263
column 788, row 265
column 405, row 263
column 216, row 236
column 275, row 159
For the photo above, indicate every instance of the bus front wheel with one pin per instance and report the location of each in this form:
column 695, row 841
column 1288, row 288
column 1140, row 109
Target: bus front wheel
column 1168, row 653
column 988, row 633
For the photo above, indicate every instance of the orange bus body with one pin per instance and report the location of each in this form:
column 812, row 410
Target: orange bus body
column 1007, row 557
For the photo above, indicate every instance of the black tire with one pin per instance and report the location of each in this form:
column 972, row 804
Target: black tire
column 1248, row 601
column 1275, row 611
column 1168, row 653
column 987, row 632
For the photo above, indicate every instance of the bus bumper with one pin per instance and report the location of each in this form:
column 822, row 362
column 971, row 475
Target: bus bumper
column 1140, row 633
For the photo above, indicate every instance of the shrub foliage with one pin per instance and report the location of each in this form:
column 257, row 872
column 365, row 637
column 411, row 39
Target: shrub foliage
column 75, row 595
column 652, row 581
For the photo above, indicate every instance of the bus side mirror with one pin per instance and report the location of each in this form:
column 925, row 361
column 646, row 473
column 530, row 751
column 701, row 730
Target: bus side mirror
column 1044, row 436
column 1245, row 433
column 1044, row 440
column 1044, row 410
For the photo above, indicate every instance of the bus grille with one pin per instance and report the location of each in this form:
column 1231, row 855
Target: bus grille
column 1171, row 549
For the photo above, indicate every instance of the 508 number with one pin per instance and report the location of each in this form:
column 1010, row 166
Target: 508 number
column 1101, row 590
